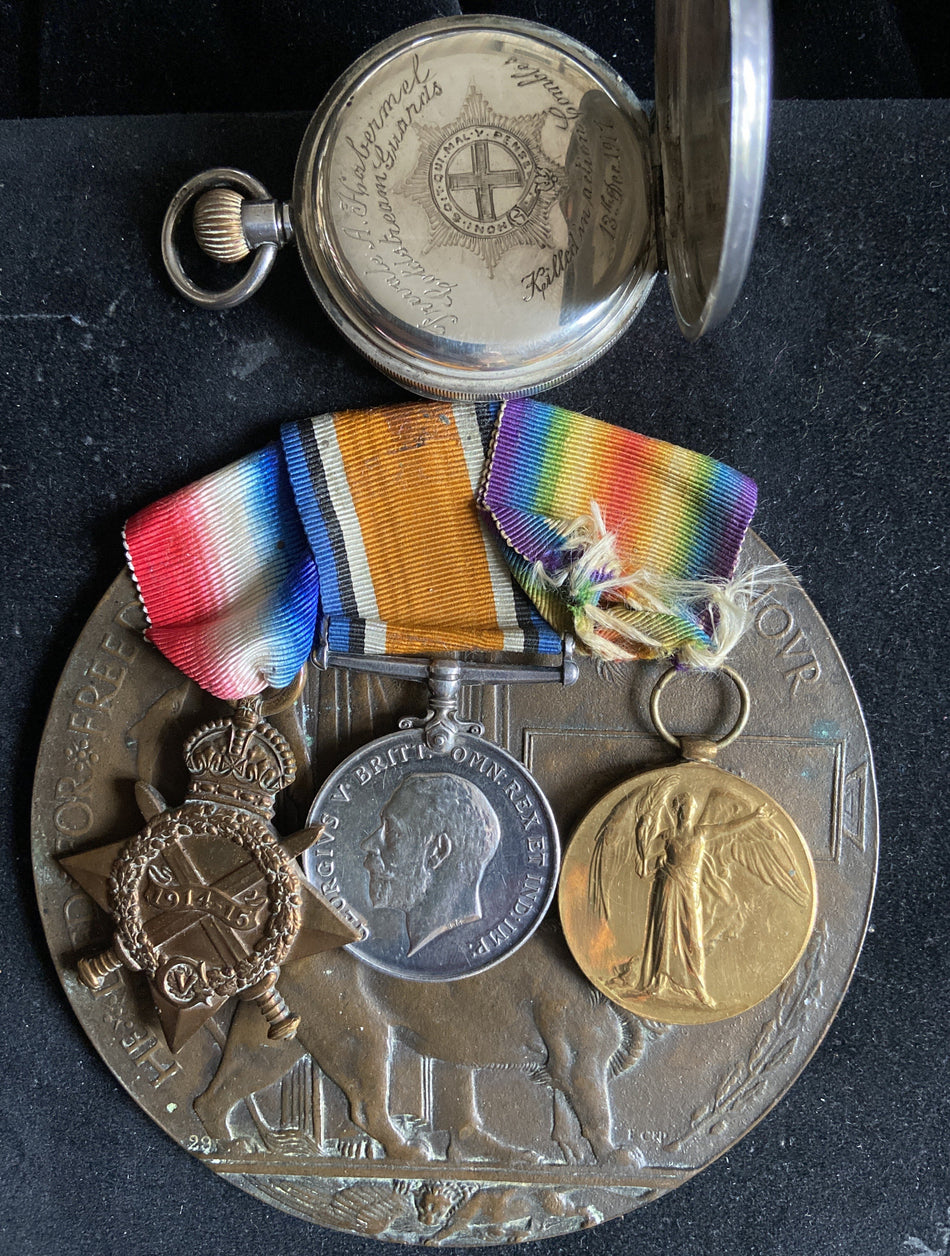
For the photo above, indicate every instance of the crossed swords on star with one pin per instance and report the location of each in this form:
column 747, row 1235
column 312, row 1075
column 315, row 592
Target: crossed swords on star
column 322, row 928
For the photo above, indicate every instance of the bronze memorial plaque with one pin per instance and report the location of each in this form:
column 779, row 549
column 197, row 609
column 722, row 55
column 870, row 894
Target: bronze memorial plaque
column 515, row 1103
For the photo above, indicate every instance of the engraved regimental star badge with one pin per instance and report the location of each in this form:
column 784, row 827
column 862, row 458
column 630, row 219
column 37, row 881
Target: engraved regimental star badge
column 484, row 181
column 206, row 898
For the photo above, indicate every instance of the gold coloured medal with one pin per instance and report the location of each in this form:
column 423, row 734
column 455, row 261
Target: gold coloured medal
column 687, row 893
column 411, row 1110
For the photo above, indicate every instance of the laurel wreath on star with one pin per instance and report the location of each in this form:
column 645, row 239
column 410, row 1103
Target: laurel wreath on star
column 283, row 921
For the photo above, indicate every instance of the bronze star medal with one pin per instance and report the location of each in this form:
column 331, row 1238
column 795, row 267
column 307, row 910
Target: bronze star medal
column 206, row 898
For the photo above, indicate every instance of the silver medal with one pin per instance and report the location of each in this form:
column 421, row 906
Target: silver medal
column 515, row 1104
column 450, row 859
column 436, row 841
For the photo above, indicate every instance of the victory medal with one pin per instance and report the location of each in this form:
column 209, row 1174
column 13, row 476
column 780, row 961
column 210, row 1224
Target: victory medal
column 477, row 207
column 688, row 894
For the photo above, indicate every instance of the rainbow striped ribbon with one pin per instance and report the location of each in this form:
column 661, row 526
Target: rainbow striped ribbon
column 607, row 532
column 617, row 537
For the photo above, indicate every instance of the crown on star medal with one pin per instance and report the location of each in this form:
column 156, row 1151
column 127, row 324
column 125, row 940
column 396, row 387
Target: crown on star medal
column 242, row 761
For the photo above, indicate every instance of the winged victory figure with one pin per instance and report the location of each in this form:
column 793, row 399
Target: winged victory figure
column 686, row 843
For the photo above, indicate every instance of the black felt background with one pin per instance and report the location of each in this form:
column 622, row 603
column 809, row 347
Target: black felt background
column 60, row 58
column 829, row 385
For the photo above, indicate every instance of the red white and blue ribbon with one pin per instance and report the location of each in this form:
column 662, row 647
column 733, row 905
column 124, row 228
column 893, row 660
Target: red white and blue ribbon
column 227, row 577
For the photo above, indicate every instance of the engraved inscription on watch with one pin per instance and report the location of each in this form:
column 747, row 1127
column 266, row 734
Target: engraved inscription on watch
column 485, row 182
column 487, row 204
column 482, row 205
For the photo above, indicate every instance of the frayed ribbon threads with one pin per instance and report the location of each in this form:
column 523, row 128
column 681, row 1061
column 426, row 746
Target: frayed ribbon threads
column 620, row 616
column 368, row 517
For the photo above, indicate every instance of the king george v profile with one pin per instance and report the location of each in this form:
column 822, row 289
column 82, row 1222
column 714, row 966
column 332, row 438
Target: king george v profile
column 437, row 834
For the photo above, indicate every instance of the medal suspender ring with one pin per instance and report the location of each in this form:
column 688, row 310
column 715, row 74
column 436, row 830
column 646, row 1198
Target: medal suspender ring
column 224, row 230
column 276, row 700
column 718, row 743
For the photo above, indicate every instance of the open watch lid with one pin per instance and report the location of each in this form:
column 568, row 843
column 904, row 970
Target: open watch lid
column 482, row 205
column 713, row 73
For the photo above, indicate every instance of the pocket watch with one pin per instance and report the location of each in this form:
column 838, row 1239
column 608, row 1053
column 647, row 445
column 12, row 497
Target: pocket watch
column 481, row 204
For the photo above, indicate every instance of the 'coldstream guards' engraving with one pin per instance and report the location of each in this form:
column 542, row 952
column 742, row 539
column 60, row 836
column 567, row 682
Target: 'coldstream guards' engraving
column 476, row 208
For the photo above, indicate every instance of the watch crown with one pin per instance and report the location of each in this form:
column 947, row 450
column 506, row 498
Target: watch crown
column 218, row 226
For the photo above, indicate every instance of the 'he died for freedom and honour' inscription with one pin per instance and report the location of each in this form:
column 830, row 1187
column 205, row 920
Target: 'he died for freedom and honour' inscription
column 90, row 723
column 90, row 719
column 127, row 717
column 775, row 622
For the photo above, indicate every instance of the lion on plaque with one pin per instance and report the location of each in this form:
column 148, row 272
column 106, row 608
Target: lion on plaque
column 534, row 1014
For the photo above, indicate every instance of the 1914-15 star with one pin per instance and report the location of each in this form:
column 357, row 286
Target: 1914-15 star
column 207, row 901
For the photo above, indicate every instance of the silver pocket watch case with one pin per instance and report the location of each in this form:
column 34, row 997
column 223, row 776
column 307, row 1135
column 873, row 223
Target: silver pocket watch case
column 482, row 205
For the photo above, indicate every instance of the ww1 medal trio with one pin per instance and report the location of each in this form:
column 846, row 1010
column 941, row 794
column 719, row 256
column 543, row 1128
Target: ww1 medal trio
column 302, row 795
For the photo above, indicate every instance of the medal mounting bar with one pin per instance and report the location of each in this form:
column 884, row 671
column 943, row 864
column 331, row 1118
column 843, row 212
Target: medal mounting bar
column 445, row 678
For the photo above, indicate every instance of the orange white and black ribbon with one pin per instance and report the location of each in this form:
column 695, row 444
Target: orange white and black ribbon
column 407, row 563
column 410, row 538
